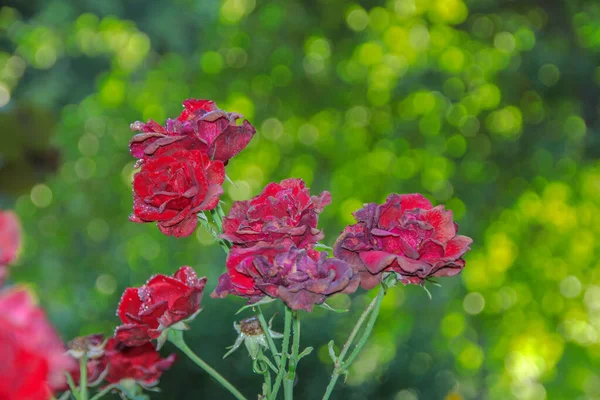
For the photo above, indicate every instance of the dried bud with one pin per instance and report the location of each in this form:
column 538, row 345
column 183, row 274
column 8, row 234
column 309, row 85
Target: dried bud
column 91, row 346
column 252, row 335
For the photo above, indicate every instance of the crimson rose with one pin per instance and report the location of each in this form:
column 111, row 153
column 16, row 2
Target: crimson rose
column 163, row 301
column 201, row 126
column 10, row 240
column 406, row 235
column 140, row 363
column 299, row 277
column 172, row 189
column 283, row 209
column 33, row 357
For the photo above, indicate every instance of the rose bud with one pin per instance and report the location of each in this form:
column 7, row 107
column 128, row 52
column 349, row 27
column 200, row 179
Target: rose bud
column 173, row 189
column 301, row 278
column 201, row 126
column 283, row 209
column 163, row 302
column 10, row 240
column 251, row 334
column 141, row 364
column 405, row 235
column 34, row 360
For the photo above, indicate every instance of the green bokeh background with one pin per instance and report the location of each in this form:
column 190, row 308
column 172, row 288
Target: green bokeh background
column 490, row 107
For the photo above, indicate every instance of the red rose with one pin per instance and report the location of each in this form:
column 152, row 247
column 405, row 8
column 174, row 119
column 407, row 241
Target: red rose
column 283, row 209
column 10, row 240
column 33, row 357
column 173, row 188
column 299, row 277
column 406, row 235
column 201, row 126
column 163, row 301
column 140, row 363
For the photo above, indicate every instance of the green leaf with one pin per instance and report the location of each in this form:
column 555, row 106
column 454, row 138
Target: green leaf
column 305, row 352
column 332, row 351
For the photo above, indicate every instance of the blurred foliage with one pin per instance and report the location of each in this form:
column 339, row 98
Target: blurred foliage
column 488, row 106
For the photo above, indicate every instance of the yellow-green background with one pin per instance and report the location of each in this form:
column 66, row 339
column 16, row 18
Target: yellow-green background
column 488, row 106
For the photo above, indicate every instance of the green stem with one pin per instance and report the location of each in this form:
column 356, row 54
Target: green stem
column 72, row 386
column 83, row 378
column 104, row 391
column 176, row 337
column 267, row 374
column 289, row 381
column 287, row 329
column 342, row 366
column 267, row 333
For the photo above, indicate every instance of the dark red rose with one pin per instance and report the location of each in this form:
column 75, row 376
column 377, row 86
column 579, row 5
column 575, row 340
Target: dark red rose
column 163, row 301
column 10, row 240
column 299, row 277
column 140, row 363
column 34, row 359
column 282, row 210
column 201, row 126
column 406, row 235
column 173, row 189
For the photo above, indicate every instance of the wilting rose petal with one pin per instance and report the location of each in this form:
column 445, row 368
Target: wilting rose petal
column 405, row 235
column 201, row 126
column 299, row 277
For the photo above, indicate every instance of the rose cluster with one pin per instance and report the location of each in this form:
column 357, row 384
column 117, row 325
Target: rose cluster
column 182, row 164
column 273, row 254
column 272, row 241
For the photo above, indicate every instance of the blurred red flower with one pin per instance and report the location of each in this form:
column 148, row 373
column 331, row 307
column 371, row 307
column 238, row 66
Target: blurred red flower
column 201, row 126
column 405, row 235
column 283, row 209
column 10, row 240
column 34, row 359
column 163, row 301
column 173, row 189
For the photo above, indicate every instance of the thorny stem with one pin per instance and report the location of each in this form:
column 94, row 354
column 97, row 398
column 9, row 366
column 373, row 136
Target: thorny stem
column 288, row 383
column 342, row 366
column 267, row 333
column 176, row 337
column 284, row 352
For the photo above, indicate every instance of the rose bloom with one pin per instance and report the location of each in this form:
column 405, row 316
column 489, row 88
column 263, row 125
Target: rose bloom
column 172, row 189
column 283, row 209
column 142, row 364
column 33, row 357
column 301, row 278
column 10, row 240
column 405, row 235
column 163, row 301
column 201, row 126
